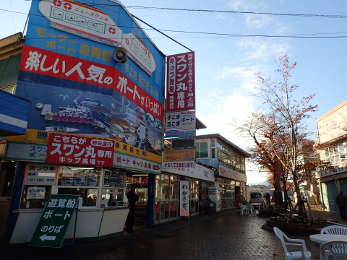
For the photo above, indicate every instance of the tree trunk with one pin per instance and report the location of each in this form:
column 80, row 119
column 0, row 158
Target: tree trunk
column 300, row 203
column 277, row 196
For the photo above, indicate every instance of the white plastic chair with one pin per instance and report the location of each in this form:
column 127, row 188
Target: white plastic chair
column 247, row 210
column 286, row 241
column 334, row 230
column 335, row 250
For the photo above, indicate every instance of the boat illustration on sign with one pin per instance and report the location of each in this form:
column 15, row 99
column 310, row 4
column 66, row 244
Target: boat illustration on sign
column 93, row 24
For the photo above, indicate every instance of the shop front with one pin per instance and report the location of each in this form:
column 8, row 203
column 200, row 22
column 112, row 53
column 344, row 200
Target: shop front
column 199, row 179
column 102, row 207
column 231, row 187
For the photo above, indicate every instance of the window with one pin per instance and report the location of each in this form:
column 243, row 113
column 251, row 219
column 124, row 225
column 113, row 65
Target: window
column 76, row 176
column 213, row 152
column 87, row 197
column 202, row 150
column 38, row 181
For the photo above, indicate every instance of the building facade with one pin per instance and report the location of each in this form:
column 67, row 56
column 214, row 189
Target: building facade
column 94, row 94
column 228, row 162
column 331, row 143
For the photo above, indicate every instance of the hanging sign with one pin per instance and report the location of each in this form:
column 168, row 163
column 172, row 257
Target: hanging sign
column 54, row 221
column 184, row 198
column 180, row 82
column 79, row 150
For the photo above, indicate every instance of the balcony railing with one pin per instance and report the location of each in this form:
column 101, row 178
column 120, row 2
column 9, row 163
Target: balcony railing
column 333, row 171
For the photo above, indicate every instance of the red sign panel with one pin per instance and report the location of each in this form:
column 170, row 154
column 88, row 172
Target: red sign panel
column 79, row 150
column 70, row 68
column 180, row 82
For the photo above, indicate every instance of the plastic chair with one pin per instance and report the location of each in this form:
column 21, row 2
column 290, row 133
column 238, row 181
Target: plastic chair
column 335, row 250
column 286, row 241
column 247, row 210
column 334, row 230
column 244, row 210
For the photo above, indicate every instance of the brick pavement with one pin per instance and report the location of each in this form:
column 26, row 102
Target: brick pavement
column 217, row 237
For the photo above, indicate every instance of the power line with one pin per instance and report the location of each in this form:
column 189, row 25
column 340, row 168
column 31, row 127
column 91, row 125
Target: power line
column 334, row 16
column 159, row 31
column 302, row 15
column 228, row 35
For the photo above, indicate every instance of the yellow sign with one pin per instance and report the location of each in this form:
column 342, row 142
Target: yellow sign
column 41, row 137
column 179, row 155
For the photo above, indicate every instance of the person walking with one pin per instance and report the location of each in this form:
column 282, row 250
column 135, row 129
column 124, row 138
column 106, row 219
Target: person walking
column 341, row 202
column 132, row 198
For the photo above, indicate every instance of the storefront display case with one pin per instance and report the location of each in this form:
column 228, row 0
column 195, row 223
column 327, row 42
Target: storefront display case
column 102, row 208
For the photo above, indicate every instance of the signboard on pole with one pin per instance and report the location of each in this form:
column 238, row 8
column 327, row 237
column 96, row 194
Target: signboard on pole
column 54, row 221
column 79, row 150
column 180, row 124
column 180, row 82
column 184, row 198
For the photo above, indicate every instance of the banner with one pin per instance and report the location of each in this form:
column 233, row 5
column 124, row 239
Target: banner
column 189, row 169
column 130, row 162
column 79, row 150
column 180, row 91
column 184, row 198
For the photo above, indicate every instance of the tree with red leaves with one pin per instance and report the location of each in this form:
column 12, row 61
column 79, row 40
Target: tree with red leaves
column 279, row 132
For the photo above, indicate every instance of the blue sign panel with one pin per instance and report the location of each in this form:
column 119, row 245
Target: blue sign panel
column 72, row 73
column 92, row 30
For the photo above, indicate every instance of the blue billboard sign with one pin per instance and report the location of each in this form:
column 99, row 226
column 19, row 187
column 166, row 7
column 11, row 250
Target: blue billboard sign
column 71, row 73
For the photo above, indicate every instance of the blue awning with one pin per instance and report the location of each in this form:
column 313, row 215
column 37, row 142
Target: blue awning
column 13, row 114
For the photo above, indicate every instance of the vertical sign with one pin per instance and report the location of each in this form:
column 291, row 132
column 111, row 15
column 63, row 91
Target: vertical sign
column 180, row 82
column 184, row 198
column 54, row 221
column 79, row 150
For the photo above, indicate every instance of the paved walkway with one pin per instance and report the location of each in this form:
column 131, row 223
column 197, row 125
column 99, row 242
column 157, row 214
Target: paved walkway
column 224, row 236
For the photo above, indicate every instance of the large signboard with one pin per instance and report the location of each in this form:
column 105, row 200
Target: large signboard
column 189, row 169
column 179, row 155
column 79, row 150
column 75, row 85
column 131, row 162
column 54, row 221
column 180, row 82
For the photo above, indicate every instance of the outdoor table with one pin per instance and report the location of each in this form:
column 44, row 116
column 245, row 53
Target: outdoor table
column 325, row 238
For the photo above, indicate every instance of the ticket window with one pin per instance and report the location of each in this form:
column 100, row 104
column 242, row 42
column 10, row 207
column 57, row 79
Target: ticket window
column 37, row 185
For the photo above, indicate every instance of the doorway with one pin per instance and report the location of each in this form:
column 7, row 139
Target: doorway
column 7, row 179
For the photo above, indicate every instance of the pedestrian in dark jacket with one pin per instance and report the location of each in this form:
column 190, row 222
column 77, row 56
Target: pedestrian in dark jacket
column 341, row 202
column 132, row 198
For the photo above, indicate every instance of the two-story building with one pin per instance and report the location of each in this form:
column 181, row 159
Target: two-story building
column 331, row 144
column 228, row 161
